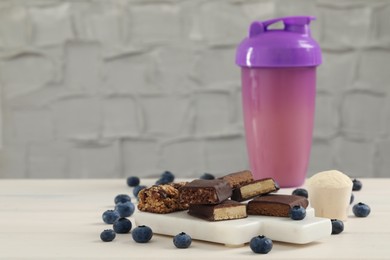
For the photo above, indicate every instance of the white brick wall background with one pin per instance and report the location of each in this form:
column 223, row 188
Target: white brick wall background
column 96, row 89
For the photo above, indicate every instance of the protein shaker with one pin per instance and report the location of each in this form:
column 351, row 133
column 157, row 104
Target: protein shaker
column 278, row 72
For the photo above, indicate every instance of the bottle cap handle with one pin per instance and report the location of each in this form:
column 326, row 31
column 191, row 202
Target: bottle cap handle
column 298, row 24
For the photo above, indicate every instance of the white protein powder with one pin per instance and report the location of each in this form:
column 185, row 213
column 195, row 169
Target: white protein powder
column 329, row 194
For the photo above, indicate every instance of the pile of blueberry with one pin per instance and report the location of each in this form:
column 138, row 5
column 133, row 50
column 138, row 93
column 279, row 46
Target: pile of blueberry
column 124, row 208
column 134, row 181
column 359, row 210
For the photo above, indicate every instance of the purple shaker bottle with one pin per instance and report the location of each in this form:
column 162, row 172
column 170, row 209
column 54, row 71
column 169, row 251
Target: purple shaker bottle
column 278, row 72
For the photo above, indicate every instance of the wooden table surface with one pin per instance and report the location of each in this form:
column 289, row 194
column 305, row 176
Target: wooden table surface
column 61, row 219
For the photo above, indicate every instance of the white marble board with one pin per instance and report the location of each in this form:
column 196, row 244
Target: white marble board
column 240, row 231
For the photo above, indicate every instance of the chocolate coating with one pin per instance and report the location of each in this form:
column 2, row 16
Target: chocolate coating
column 238, row 179
column 226, row 210
column 275, row 205
column 205, row 191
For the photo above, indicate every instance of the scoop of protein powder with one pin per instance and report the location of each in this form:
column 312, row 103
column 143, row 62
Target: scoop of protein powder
column 329, row 194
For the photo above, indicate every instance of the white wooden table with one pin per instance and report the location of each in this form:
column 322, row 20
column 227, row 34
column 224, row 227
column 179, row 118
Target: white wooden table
column 61, row 219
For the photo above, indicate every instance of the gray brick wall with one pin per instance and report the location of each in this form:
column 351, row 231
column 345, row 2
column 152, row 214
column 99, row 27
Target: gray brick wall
column 97, row 89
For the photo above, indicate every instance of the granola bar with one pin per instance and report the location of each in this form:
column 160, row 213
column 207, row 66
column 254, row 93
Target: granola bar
column 161, row 199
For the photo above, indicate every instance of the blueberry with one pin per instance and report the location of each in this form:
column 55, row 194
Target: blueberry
column 207, row 176
column 182, row 240
column 361, row 210
column 165, row 178
column 352, row 198
column 125, row 209
column 261, row 244
column 110, row 216
column 137, row 189
column 122, row 226
column 162, row 181
column 337, row 226
column 357, row 185
column 168, row 176
column 142, row 234
column 133, row 181
column 107, row 235
column 300, row 192
column 297, row 212
column 122, row 198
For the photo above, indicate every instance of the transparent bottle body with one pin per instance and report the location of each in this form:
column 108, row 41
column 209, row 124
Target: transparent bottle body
column 278, row 106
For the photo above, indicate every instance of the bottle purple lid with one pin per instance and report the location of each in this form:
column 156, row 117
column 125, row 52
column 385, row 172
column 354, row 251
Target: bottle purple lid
column 291, row 46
